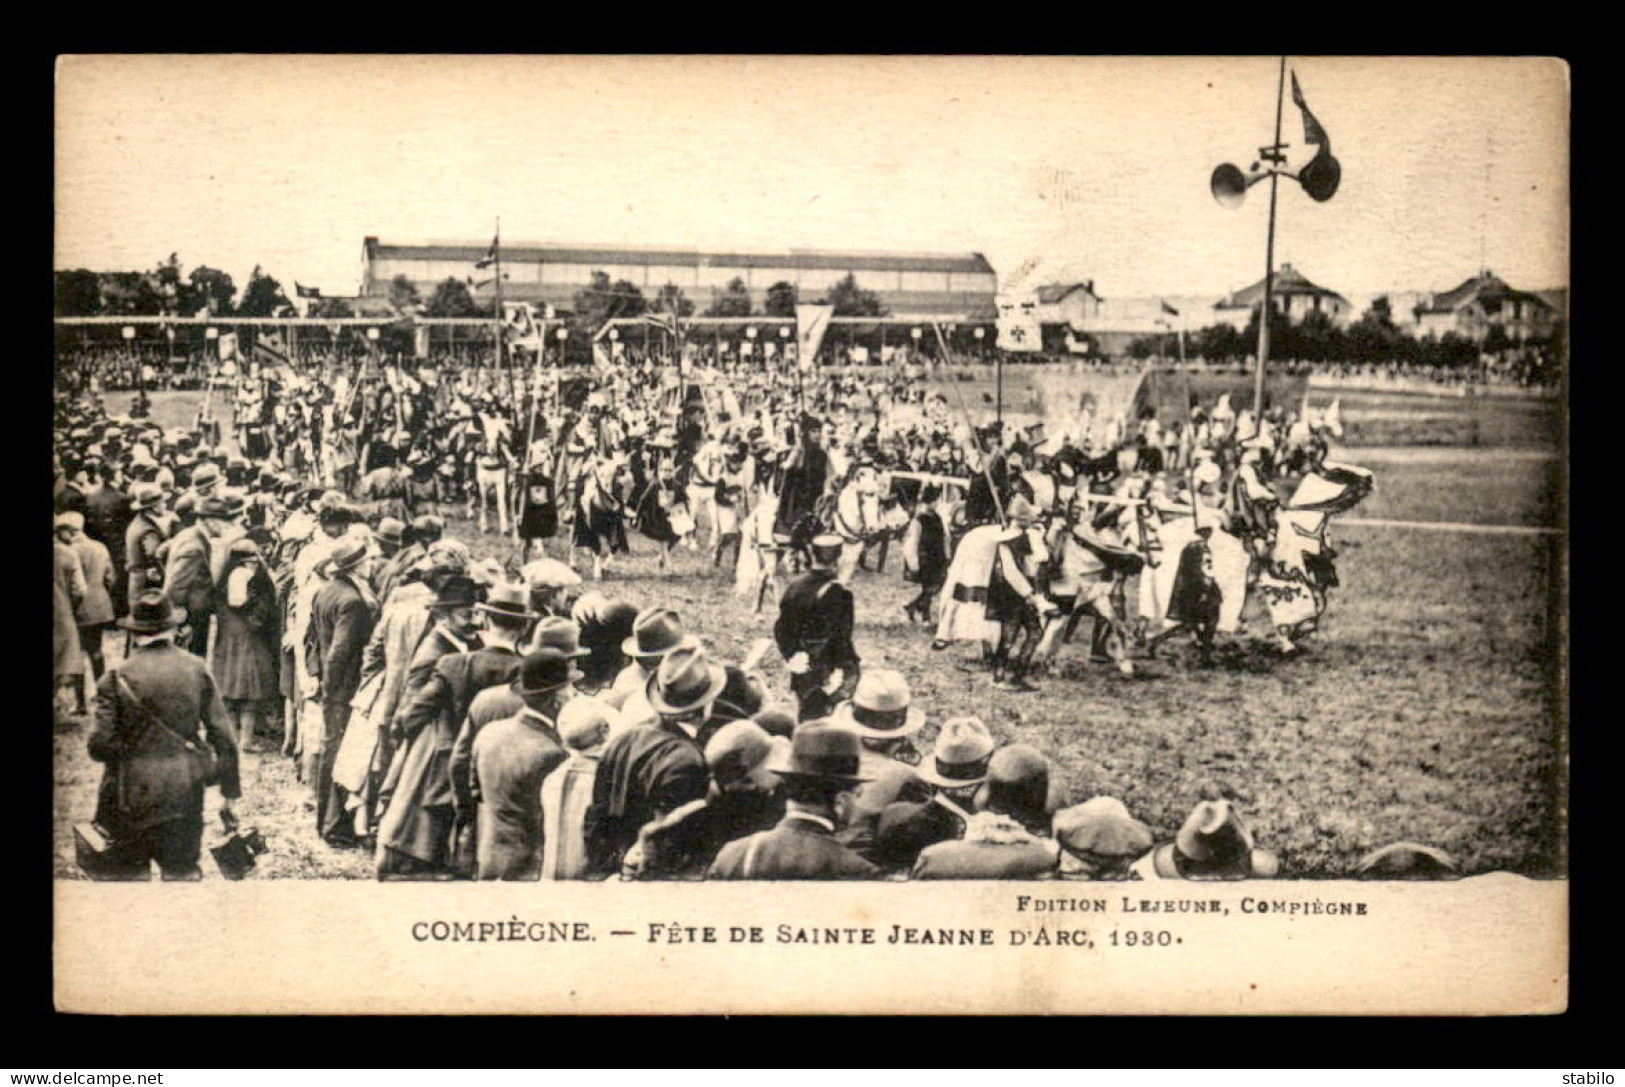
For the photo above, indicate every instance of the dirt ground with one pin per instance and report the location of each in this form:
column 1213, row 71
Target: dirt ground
column 1428, row 708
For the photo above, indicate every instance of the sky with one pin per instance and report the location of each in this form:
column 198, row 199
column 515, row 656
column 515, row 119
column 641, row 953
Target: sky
column 1071, row 168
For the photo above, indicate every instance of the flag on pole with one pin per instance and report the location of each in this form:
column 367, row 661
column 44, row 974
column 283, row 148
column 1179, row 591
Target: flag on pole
column 1312, row 130
column 812, row 321
column 227, row 345
column 1169, row 310
column 491, row 254
column 303, row 291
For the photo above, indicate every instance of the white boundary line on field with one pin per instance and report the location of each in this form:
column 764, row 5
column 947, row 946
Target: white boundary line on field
column 1453, row 526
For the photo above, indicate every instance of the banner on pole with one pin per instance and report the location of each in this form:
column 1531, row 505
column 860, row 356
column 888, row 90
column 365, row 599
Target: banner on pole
column 812, row 321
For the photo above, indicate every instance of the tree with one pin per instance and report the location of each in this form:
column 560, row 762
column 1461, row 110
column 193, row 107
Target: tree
column 733, row 301
column 170, row 287
column 606, row 301
column 451, row 299
column 672, row 300
column 207, row 288
column 130, row 294
column 78, row 293
column 781, row 300
column 850, row 300
column 331, row 307
column 403, row 293
column 263, row 297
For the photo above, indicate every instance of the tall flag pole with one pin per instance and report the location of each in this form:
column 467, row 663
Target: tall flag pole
column 1269, row 263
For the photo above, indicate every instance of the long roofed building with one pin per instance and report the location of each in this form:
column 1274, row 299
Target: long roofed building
column 954, row 285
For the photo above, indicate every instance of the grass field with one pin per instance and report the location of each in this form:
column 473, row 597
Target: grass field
column 1428, row 708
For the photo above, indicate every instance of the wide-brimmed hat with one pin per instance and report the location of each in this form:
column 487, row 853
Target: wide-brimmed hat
column 549, row 574
column 507, row 599
column 150, row 612
column 223, row 506
column 145, row 496
column 1213, row 844
column 1018, row 783
column 346, row 555
column 1407, row 860
column 207, row 474
column 559, row 633
column 1099, row 833
column 822, row 752
column 685, row 680
column 881, row 707
column 656, row 632
column 960, row 755
column 543, row 670
column 457, row 591
column 390, row 530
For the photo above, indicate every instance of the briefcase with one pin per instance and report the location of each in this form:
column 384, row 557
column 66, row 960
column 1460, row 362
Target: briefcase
column 92, row 848
column 235, row 856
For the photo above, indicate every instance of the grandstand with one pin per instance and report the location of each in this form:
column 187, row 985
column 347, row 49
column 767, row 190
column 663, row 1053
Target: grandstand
column 950, row 286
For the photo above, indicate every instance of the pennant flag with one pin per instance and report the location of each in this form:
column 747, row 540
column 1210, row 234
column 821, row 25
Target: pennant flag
column 812, row 321
column 302, row 291
column 420, row 341
column 228, row 346
column 491, row 254
column 1312, row 131
column 271, row 348
column 1169, row 310
column 523, row 331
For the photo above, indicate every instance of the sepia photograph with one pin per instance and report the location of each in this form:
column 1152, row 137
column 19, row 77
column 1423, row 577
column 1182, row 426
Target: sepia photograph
column 640, row 517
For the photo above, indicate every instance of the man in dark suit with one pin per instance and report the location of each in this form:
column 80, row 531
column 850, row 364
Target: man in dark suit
column 818, row 782
column 189, row 576
column 341, row 621
column 416, row 837
column 107, row 517
column 814, row 633
column 157, row 687
column 142, row 540
column 1009, row 837
column 650, row 771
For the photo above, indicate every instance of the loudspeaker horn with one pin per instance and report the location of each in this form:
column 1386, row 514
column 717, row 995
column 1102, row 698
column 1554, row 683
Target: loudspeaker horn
column 1229, row 185
column 1321, row 176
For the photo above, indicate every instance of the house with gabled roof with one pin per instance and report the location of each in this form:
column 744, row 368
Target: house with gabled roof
column 1292, row 294
column 1481, row 303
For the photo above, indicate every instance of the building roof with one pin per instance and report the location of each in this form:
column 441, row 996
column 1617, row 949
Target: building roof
column 611, row 255
column 1486, row 286
column 1288, row 281
column 1051, row 293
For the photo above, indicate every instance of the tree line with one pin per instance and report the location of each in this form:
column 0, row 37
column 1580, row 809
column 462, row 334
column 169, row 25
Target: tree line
column 1374, row 338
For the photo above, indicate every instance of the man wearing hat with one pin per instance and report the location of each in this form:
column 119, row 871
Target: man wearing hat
column 655, row 632
column 1100, row 840
column 605, row 625
column 744, row 798
column 94, row 611
column 143, row 538
column 391, row 537
column 415, row 835
column 188, row 577
column 649, row 771
column 1214, row 844
column 814, row 633
column 107, row 518
column 819, row 777
column 956, row 769
column 1007, row 837
column 157, row 700
column 342, row 616
column 511, row 760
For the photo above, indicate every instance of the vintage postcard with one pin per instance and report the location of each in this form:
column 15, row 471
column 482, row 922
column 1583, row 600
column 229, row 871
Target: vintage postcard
column 731, row 534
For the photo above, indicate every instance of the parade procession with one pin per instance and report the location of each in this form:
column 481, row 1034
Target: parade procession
column 809, row 591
